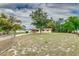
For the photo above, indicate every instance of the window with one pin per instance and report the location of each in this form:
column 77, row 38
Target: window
column 42, row 30
column 37, row 30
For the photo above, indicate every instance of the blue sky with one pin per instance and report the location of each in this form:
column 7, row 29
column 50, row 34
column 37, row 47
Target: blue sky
column 55, row 10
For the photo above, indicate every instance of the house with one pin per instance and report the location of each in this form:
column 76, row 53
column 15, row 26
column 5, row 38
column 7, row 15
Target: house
column 75, row 32
column 20, row 31
column 45, row 30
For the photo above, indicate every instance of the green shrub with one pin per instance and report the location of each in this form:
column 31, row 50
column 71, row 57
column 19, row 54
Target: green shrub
column 27, row 32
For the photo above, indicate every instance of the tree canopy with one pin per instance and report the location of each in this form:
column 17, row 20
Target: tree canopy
column 39, row 19
column 9, row 23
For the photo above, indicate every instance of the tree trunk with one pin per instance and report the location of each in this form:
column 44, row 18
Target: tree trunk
column 7, row 32
column 40, row 31
column 14, row 34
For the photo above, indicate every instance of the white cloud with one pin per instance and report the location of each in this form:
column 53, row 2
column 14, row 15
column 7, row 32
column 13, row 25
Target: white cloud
column 54, row 10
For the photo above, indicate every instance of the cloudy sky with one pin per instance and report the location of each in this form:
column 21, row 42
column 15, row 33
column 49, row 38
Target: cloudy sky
column 55, row 10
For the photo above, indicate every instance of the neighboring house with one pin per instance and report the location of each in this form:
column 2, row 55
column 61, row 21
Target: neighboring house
column 20, row 31
column 35, row 31
column 45, row 30
column 75, row 31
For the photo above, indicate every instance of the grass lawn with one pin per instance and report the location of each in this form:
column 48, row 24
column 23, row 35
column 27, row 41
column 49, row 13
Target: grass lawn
column 53, row 44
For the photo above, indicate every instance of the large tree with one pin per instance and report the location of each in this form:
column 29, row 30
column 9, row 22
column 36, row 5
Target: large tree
column 75, row 21
column 16, row 27
column 4, row 23
column 39, row 19
column 9, row 23
column 68, row 27
column 59, row 24
column 51, row 24
column 16, row 24
column 71, row 24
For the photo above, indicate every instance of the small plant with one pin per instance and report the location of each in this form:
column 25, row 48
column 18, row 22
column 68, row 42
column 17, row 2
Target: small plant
column 46, row 41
